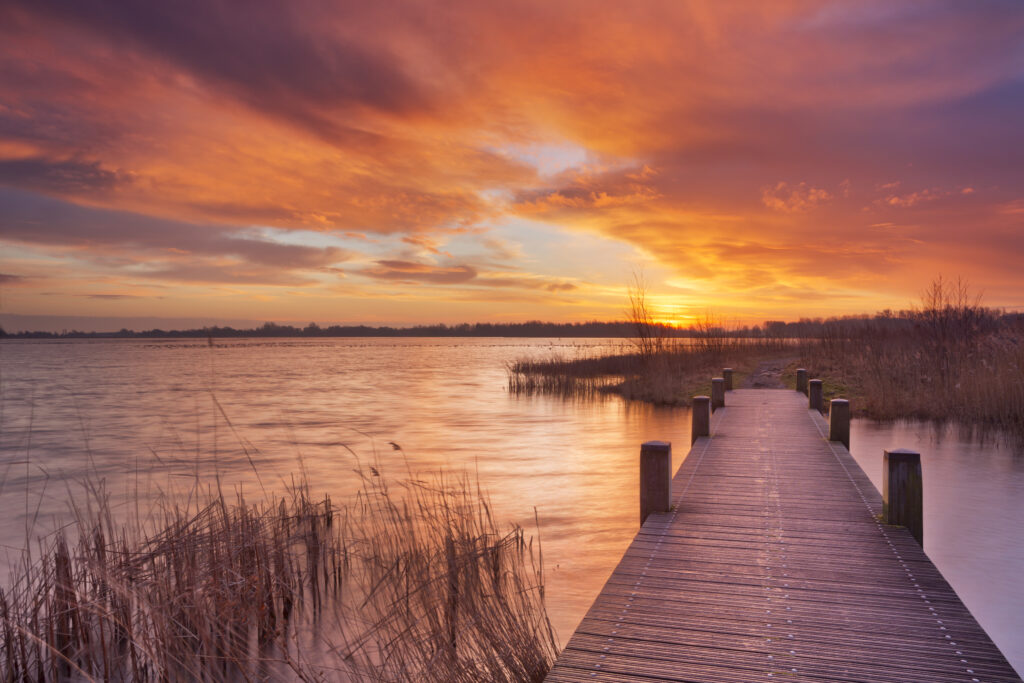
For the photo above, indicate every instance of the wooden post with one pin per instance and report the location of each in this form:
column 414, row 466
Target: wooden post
column 839, row 421
column 700, row 417
column 902, row 495
column 814, row 394
column 801, row 381
column 655, row 478
column 727, row 376
column 717, row 393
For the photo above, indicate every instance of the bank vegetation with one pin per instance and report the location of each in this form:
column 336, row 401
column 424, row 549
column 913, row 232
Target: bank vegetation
column 409, row 582
column 948, row 358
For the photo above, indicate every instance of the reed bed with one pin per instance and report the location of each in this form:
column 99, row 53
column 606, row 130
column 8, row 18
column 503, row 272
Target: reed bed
column 666, row 373
column 408, row 582
column 961, row 363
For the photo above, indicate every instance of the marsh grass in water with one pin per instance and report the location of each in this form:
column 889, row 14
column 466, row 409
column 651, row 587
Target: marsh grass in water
column 408, row 582
column 667, row 367
column 670, row 373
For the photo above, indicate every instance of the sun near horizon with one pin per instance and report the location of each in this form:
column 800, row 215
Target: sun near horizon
column 415, row 164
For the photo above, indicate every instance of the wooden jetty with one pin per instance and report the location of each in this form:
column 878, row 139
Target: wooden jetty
column 773, row 564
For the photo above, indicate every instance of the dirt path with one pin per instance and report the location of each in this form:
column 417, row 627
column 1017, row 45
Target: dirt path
column 768, row 374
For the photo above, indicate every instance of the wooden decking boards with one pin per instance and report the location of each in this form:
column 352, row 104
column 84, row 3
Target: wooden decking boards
column 773, row 566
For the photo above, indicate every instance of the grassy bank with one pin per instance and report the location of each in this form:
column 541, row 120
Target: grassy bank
column 412, row 582
column 670, row 373
column 950, row 359
column 955, row 361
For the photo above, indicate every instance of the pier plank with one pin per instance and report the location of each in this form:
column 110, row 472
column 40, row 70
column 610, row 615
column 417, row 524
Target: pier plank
column 773, row 565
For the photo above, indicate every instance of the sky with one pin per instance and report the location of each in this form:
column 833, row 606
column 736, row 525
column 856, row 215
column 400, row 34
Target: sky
column 415, row 162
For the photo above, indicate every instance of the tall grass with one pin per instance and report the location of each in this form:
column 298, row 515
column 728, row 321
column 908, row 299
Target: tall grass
column 668, row 374
column 412, row 582
column 950, row 359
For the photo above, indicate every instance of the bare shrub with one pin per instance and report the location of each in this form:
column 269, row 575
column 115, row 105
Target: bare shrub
column 711, row 335
column 649, row 337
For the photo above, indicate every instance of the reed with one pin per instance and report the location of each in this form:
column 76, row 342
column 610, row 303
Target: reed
column 668, row 374
column 950, row 360
column 408, row 582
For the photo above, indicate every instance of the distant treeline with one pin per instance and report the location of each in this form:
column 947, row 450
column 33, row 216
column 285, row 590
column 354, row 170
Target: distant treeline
column 527, row 329
column 937, row 319
column 805, row 328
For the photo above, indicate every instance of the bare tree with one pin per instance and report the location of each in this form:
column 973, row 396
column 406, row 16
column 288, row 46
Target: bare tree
column 649, row 336
column 950, row 323
column 710, row 333
column 950, row 314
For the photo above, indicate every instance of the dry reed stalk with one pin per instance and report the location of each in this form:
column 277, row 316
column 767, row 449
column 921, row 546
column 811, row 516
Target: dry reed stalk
column 667, row 376
column 417, row 585
column 951, row 360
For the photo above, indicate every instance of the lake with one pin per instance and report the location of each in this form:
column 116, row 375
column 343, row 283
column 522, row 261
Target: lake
column 151, row 417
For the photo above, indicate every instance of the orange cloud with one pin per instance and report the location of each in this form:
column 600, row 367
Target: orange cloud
column 751, row 149
column 419, row 272
column 793, row 199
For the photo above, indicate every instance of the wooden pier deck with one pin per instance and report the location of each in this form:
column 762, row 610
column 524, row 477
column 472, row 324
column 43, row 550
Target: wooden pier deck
column 773, row 566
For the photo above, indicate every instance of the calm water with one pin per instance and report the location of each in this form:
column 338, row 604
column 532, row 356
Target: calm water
column 142, row 415
column 973, row 517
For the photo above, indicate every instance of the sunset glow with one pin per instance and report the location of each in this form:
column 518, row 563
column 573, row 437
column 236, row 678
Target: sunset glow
column 409, row 162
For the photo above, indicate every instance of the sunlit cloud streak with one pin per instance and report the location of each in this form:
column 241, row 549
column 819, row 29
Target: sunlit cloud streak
column 408, row 271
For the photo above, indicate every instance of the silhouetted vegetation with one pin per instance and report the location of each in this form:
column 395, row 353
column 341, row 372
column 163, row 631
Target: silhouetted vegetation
column 527, row 329
column 413, row 585
column 624, row 329
column 648, row 336
column 951, row 358
column 668, row 367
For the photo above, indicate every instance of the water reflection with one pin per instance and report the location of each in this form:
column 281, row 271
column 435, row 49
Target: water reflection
column 973, row 515
column 141, row 415
column 156, row 417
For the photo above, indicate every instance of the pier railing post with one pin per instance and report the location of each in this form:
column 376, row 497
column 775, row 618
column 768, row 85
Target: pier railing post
column 814, row 394
column 655, row 478
column 902, row 495
column 839, row 421
column 801, row 381
column 727, row 376
column 717, row 393
column 700, row 417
